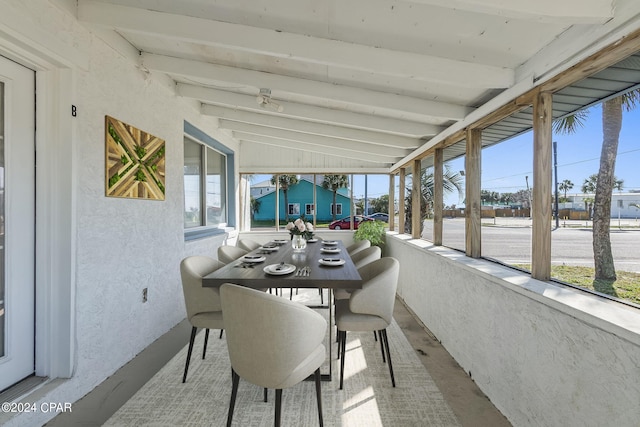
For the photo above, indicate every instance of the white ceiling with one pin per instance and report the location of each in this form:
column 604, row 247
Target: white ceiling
column 367, row 79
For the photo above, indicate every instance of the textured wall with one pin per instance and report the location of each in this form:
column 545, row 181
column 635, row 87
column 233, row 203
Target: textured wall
column 536, row 350
column 123, row 245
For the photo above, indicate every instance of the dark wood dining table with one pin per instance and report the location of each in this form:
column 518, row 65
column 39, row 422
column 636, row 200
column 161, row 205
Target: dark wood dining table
column 252, row 274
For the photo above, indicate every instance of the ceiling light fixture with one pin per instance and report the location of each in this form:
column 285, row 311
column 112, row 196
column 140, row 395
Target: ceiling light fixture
column 264, row 100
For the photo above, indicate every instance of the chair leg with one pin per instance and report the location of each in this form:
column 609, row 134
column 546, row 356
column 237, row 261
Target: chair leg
column 321, row 296
column 206, row 340
column 265, row 394
column 343, row 339
column 221, row 331
column 186, row 365
column 383, row 336
column 381, row 346
column 278, row 407
column 235, row 379
column 319, row 396
column 375, row 335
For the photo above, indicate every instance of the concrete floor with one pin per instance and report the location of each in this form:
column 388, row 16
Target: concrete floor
column 469, row 404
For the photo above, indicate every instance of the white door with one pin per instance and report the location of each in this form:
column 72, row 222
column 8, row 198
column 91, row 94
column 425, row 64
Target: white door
column 17, row 216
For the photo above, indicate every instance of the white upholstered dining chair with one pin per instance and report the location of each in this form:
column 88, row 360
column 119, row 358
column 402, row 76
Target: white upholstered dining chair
column 360, row 259
column 261, row 353
column 248, row 244
column 369, row 308
column 358, row 246
column 227, row 253
column 202, row 304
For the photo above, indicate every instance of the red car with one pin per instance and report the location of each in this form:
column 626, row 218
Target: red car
column 345, row 223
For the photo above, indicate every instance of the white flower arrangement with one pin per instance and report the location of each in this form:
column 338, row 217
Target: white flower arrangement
column 301, row 228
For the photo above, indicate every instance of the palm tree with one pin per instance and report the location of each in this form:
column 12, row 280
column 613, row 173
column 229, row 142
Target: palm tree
column 611, row 126
column 334, row 183
column 285, row 181
column 452, row 181
column 565, row 186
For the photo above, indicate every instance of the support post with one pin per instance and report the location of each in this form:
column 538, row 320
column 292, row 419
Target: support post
column 541, row 226
column 416, row 219
column 438, row 195
column 473, row 242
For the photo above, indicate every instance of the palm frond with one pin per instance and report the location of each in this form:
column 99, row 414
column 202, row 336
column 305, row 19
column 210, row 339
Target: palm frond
column 572, row 123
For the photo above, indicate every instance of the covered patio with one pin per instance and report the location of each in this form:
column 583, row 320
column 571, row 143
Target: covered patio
column 304, row 88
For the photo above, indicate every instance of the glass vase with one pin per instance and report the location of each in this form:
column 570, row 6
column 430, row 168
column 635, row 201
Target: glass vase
column 298, row 243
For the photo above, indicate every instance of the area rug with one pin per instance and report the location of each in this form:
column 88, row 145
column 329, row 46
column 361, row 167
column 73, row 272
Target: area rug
column 367, row 400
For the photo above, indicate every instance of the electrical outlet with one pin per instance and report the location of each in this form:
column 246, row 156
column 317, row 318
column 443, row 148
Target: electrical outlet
column 144, row 295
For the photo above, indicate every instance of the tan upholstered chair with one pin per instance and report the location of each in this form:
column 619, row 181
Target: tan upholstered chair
column 248, row 245
column 273, row 342
column 203, row 304
column 358, row 246
column 360, row 259
column 227, row 254
column 370, row 308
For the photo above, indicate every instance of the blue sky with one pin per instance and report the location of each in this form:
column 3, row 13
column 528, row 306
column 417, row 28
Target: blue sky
column 505, row 165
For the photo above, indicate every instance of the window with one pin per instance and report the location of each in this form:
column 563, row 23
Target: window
column 309, row 210
column 338, row 210
column 204, row 185
column 208, row 171
column 294, row 209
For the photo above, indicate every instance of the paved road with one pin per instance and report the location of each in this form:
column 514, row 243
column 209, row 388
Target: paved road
column 510, row 242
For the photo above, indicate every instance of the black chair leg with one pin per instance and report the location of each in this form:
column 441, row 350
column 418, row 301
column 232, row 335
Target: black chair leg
column 383, row 336
column 186, row 365
column 375, row 336
column 381, row 346
column 278, row 407
column 321, row 296
column 206, row 340
column 221, row 331
column 319, row 396
column 265, row 394
column 235, row 379
column 343, row 339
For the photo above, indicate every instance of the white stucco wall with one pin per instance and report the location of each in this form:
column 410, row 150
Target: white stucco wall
column 544, row 355
column 121, row 245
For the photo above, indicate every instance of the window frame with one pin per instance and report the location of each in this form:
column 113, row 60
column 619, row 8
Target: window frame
column 196, row 135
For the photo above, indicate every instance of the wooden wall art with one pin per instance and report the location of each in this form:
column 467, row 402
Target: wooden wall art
column 135, row 164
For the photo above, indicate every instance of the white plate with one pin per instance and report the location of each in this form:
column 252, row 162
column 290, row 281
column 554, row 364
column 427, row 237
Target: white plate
column 280, row 241
column 330, row 242
column 266, row 248
column 283, row 269
column 331, row 261
column 330, row 250
column 253, row 258
column 312, row 240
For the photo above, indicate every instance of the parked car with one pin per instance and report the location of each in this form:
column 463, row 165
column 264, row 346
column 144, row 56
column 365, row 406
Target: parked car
column 379, row 216
column 345, row 223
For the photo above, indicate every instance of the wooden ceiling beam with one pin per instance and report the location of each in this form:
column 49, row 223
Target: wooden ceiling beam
column 310, row 112
column 398, row 106
column 543, row 11
column 280, row 44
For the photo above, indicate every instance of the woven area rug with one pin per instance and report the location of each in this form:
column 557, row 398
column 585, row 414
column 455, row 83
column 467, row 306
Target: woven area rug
column 367, row 400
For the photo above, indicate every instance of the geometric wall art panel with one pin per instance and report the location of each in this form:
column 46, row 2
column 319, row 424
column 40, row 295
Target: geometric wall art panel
column 135, row 164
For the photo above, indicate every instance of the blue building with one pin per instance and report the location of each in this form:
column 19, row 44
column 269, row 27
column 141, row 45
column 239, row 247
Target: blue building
column 300, row 202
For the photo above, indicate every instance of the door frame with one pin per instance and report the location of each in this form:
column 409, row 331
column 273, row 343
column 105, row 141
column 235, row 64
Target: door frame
column 55, row 207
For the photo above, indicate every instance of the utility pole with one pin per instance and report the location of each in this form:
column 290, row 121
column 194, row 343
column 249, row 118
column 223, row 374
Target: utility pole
column 526, row 178
column 555, row 174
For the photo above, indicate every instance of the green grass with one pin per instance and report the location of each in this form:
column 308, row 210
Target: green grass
column 626, row 287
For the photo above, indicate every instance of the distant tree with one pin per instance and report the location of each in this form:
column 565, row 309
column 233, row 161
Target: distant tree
column 255, row 206
column 334, row 183
column 452, row 181
column 285, row 181
column 380, row 204
column 565, row 186
column 611, row 126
